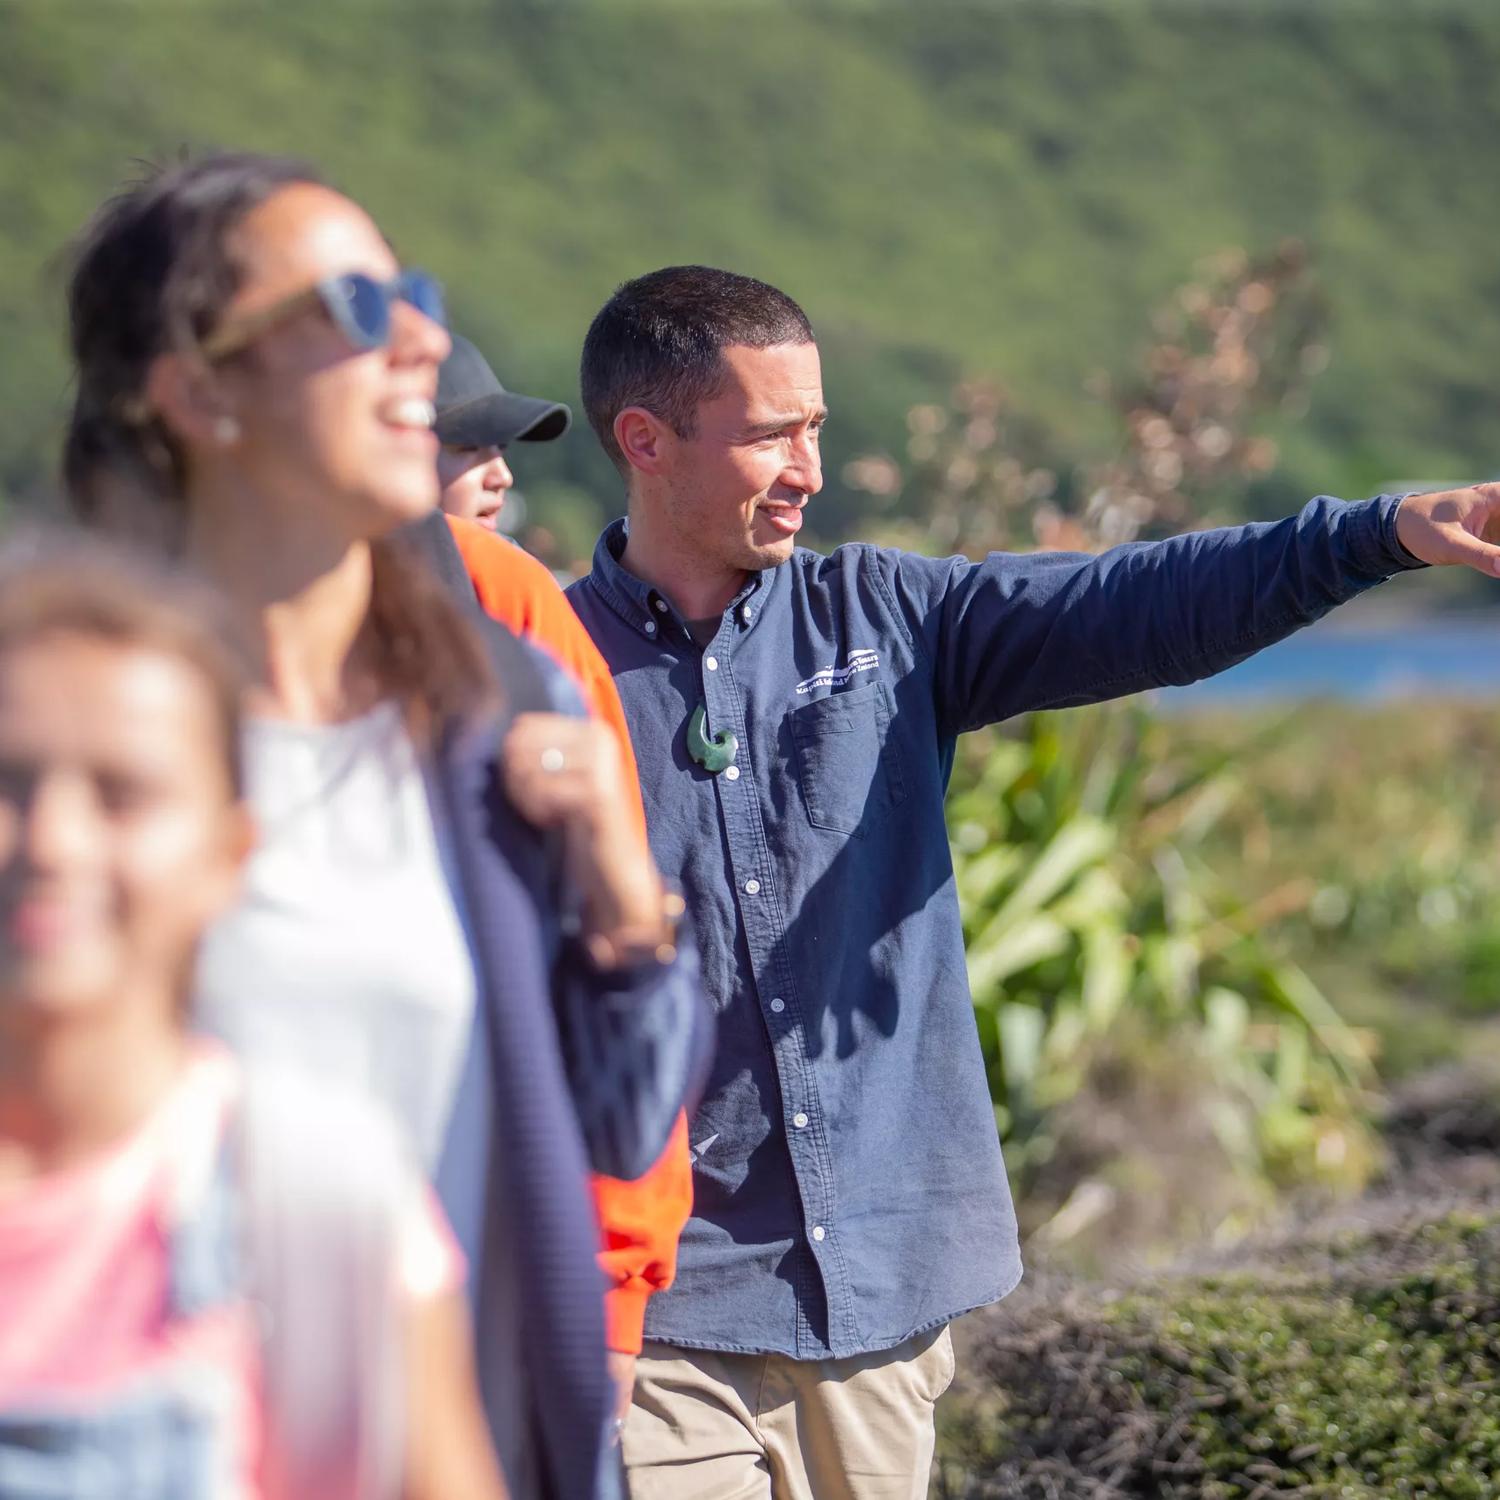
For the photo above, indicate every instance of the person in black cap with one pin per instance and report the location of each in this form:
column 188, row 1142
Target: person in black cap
column 640, row 1220
column 477, row 419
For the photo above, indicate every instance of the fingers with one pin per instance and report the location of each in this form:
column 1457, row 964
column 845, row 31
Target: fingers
column 545, row 797
column 622, row 1372
column 1469, row 552
column 567, row 774
column 1450, row 527
column 559, row 769
column 537, row 731
column 1468, row 532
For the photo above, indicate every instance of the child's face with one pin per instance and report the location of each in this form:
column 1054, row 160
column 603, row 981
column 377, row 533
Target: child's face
column 120, row 839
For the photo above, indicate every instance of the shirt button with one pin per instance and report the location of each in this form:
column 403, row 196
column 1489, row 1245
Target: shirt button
column 752, row 887
column 660, row 606
column 800, row 1120
column 745, row 614
column 819, row 1233
column 732, row 772
column 778, row 1005
column 711, row 662
column 649, row 627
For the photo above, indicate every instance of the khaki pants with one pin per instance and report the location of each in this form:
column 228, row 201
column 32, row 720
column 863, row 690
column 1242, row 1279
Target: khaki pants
column 708, row 1426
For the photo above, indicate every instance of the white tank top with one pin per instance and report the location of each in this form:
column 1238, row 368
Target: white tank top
column 346, row 954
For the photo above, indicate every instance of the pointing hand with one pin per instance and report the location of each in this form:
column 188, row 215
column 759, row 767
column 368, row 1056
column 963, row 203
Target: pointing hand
column 1453, row 527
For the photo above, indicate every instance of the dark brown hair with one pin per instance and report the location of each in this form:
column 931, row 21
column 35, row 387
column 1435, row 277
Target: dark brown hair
column 659, row 341
column 151, row 273
column 81, row 587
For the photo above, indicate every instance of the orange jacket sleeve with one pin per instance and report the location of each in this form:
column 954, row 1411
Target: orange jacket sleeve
column 640, row 1221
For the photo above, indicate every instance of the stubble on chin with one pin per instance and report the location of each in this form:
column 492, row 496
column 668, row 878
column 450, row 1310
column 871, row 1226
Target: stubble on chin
column 759, row 555
column 756, row 557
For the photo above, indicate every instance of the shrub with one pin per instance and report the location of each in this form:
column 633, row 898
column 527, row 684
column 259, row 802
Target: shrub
column 1358, row 1363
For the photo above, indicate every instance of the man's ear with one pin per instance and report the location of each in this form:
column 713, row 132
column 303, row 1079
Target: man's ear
column 187, row 396
column 644, row 439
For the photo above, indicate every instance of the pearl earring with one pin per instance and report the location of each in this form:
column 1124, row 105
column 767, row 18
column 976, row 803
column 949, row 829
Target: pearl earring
column 226, row 431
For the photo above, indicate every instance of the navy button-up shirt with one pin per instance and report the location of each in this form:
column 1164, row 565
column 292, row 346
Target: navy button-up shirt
column 850, row 1190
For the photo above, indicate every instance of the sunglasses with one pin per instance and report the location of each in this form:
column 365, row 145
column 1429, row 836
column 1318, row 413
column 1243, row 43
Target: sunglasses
column 357, row 305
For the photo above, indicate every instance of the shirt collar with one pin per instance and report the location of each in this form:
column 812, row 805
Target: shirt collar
column 645, row 608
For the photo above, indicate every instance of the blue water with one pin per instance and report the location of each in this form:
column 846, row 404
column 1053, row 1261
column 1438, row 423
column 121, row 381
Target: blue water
column 1457, row 657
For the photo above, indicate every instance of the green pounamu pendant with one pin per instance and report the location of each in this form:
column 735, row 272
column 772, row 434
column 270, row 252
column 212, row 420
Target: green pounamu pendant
column 716, row 754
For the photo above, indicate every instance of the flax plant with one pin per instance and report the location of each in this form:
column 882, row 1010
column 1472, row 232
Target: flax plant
column 1101, row 941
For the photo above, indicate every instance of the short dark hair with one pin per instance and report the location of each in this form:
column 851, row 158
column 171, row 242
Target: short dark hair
column 659, row 341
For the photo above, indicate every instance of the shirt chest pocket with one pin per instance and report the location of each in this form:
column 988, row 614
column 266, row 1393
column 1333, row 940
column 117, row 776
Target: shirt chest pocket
column 847, row 761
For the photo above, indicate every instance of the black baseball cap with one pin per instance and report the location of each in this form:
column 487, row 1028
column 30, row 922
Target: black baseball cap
column 475, row 410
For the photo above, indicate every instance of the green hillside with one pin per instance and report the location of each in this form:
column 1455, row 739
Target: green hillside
column 1002, row 188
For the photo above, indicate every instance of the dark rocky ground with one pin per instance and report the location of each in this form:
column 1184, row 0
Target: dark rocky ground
column 1353, row 1354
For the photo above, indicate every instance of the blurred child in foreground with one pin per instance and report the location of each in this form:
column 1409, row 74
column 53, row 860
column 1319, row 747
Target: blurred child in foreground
column 204, row 1294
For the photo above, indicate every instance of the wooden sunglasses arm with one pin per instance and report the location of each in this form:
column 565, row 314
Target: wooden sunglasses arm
column 233, row 336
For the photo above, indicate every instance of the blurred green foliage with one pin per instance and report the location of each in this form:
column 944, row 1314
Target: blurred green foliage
column 1002, row 188
column 1391, row 817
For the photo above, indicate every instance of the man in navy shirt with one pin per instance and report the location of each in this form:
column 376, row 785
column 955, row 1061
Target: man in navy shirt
column 795, row 715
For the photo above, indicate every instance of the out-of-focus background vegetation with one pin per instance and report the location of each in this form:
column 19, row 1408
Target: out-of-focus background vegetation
column 1081, row 273
column 999, row 188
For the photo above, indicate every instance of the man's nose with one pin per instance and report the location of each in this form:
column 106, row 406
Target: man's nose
column 805, row 472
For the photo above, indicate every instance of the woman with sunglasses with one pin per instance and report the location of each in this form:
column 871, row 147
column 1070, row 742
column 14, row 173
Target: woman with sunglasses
column 256, row 370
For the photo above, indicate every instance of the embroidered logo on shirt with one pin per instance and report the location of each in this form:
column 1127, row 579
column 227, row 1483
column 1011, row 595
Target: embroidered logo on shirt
column 859, row 661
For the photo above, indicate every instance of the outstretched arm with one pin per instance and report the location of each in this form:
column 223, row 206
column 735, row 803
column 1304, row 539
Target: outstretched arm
column 1046, row 630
